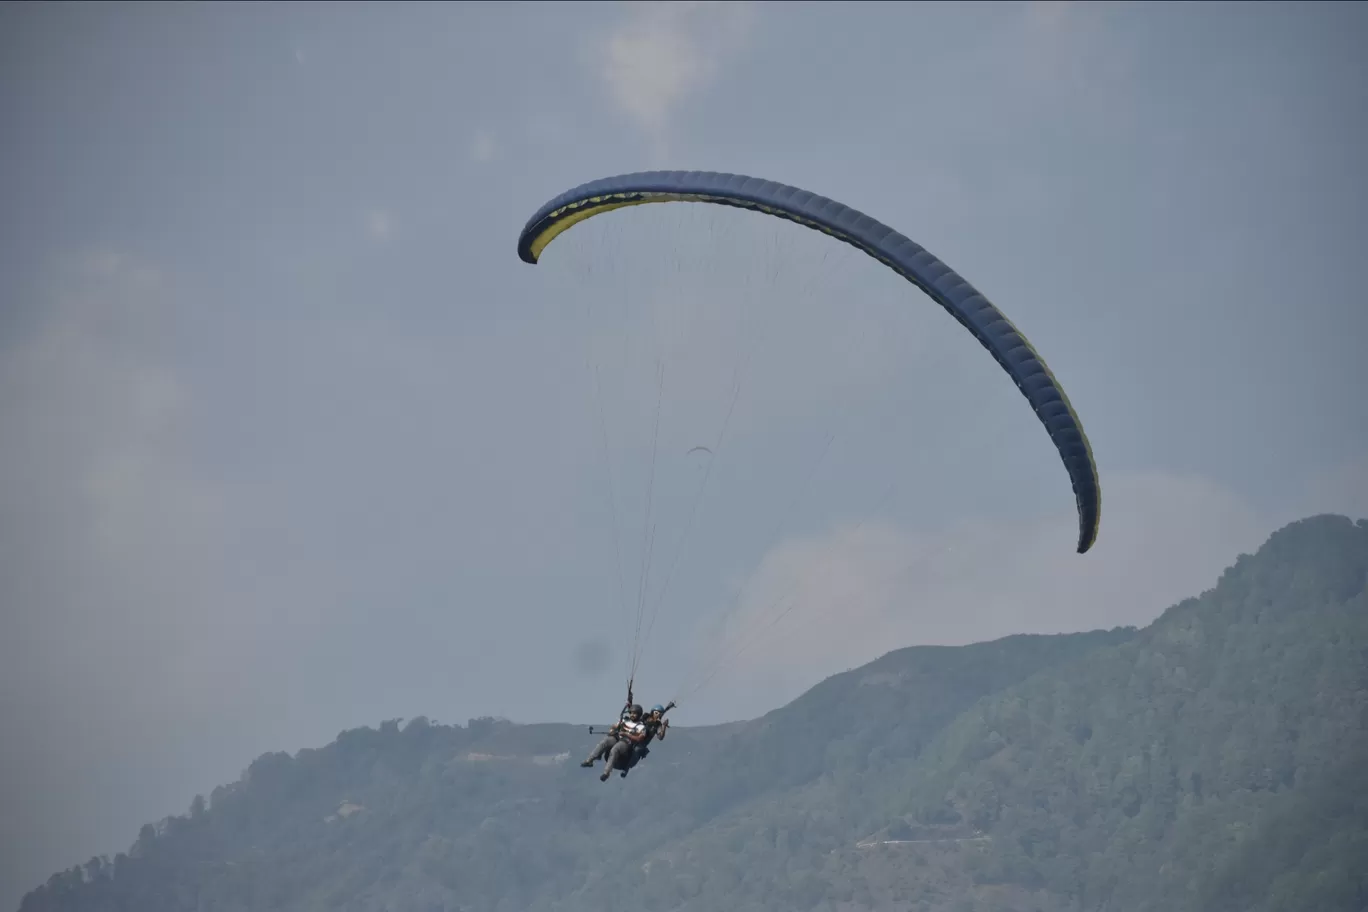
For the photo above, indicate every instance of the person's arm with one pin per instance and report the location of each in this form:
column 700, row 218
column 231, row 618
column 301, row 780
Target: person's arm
column 664, row 722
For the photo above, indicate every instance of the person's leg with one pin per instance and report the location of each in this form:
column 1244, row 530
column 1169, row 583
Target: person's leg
column 616, row 759
column 601, row 751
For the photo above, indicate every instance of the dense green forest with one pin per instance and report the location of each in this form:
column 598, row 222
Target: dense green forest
column 1216, row 760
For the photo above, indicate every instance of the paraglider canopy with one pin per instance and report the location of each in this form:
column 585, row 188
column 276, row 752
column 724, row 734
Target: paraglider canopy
column 943, row 285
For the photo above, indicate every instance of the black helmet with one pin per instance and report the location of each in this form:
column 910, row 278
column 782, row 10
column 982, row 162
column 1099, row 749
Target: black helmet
column 636, row 709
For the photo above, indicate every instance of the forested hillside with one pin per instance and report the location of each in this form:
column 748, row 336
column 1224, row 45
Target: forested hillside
column 1212, row 761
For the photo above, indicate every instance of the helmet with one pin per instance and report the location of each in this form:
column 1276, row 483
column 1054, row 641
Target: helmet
column 657, row 708
column 636, row 709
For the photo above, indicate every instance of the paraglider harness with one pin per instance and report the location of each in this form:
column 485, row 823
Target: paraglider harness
column 636, row 752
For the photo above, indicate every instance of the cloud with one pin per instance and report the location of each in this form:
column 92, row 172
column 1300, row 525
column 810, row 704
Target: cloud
column 119, row 550
column 1342, row 489
column 115, row 621
column 483, row 147
column 1049, row 13
column 664, row 53
column 380, row 225
column 845, row 597
column 1067, row 51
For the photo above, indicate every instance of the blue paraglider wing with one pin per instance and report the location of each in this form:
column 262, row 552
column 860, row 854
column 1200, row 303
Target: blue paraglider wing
column 909, row 259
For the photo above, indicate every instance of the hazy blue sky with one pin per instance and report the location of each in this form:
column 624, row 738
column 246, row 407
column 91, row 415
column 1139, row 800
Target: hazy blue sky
column 292, row 441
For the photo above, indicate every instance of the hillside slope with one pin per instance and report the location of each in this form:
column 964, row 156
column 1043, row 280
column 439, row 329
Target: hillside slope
column 1215, row 761
column 496, row 815
column 1143, row 777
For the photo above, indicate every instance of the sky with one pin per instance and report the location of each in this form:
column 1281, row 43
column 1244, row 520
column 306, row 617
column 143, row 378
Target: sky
column 291, row 442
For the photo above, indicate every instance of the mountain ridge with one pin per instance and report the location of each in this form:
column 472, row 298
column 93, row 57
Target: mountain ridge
column 1122, row 769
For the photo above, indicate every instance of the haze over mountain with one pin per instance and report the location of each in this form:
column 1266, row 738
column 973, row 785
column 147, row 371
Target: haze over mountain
column 1214, row 760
